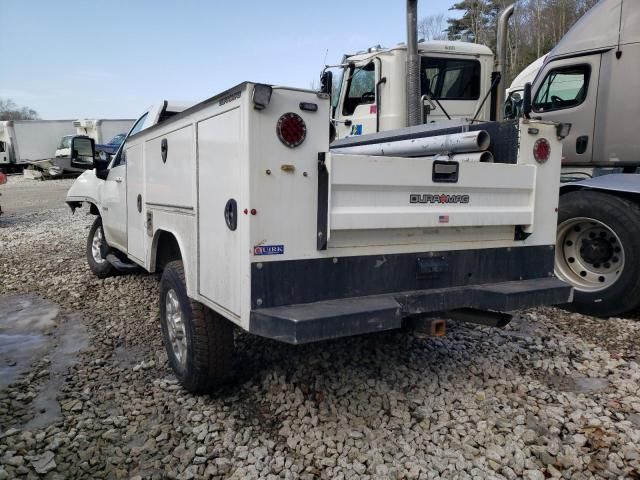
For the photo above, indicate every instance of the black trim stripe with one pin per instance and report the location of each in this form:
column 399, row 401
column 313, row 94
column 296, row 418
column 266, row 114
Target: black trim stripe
column 290, row 282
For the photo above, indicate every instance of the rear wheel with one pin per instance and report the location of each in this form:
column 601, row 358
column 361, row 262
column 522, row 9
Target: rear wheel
column 97, row 251
column 199, row 342
column 597, row 252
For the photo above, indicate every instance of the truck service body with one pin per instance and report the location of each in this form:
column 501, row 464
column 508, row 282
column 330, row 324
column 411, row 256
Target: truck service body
column 251, row 217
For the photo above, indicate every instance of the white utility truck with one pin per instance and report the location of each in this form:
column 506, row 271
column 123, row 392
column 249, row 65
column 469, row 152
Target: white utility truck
column 253, row 221
column 24, row 141
column 590, row 79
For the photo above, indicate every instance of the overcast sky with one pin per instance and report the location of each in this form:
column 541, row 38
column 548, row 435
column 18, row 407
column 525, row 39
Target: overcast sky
column 111, row 59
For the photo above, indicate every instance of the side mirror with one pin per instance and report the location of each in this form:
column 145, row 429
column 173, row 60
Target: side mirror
column 83, row 150
column 526, row 100
column 326, row 82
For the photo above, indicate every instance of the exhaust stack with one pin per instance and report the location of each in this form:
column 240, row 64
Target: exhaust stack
column 413, row 65
column 501, row 58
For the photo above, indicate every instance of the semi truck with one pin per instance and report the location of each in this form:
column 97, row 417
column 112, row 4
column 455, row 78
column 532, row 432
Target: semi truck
column 253, row 221
column 589, row 79
column 585, row 81
column 448, row 80
column 24, row 141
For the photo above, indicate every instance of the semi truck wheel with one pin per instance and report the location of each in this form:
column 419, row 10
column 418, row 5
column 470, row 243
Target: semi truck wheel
column 597, row 252
column 97, row 250
column 199, row 342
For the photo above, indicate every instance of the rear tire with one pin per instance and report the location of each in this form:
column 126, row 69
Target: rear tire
column 598, row 252
column 199, row 342
column 97, row 251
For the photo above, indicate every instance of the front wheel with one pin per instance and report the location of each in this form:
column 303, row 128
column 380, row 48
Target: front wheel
column 199, row 342
column 597, row 252
column 97, row 250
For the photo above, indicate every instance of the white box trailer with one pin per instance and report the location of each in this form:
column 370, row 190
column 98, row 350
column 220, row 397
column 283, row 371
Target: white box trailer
column 102, row 130
column 23, row 141
column 253, row 221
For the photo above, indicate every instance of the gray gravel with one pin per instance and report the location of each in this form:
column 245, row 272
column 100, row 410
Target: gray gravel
column 554, row 394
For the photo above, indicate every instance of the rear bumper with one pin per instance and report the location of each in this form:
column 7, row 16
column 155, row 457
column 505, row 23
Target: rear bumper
column 309, row 322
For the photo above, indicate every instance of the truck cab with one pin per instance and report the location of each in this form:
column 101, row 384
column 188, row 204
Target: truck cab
column 371, row 94
column 591, row 79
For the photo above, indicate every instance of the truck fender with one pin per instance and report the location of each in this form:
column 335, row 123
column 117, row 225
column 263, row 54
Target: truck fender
column 77, row 202
column 163, row 239
column 626, row 184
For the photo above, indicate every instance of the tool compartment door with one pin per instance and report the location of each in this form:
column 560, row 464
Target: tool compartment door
column 383, row 193
column 219, row 186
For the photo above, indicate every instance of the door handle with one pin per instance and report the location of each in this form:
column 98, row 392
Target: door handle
column 118, row 179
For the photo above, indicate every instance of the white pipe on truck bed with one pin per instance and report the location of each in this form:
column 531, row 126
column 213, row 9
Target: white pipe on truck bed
column 418, row 147
column 484, row 157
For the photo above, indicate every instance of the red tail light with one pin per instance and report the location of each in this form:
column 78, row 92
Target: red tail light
column 291, row 129
column 541, row 150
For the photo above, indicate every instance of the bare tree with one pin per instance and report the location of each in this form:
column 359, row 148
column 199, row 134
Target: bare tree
column 433, row 27
column 10, row 111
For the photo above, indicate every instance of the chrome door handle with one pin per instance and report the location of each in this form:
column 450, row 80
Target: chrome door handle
column 118, row 179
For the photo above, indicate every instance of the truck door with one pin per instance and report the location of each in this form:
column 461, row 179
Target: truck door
column 356, row 111
column 114, row 197
column 454, row 82
column 566, row 91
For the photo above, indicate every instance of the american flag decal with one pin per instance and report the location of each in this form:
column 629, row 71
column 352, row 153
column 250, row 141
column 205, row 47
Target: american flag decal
column 443, row 219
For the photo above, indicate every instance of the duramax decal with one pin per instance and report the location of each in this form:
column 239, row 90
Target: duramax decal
column 438, row 198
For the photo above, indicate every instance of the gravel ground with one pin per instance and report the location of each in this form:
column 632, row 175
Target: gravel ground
column 89, row 394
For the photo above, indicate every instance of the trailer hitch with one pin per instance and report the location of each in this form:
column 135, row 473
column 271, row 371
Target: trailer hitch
column 479, row 317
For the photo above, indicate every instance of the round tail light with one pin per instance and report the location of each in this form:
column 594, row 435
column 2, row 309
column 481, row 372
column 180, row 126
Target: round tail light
column 291, row 129
column 541, row 150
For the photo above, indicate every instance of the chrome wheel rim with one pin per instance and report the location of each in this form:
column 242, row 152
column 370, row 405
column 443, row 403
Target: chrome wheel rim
column 175, row 327
column 96, row 246
column 589, row 254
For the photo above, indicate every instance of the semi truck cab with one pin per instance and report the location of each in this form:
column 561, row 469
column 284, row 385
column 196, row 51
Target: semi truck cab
column 371, row 94
column 590, row 80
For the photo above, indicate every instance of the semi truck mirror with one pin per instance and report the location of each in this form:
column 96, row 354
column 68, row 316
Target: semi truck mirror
column 526, row 100
column 326, row 82
column 83, row 151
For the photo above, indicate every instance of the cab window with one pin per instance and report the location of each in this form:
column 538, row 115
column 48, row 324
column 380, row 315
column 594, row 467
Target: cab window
column 450, row 78
column 121, row 156
column 2, row 148
column 563, row 87
column 360, row 89
column 65, row 142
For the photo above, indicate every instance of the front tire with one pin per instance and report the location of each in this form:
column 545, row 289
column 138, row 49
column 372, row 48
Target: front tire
column 97, row 251
column 199, row 342
column 597, row 252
